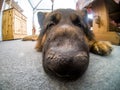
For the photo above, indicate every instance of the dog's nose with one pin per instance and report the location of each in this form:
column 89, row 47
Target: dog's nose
column 66, row 63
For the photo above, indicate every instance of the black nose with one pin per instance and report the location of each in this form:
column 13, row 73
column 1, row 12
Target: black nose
column 66, row 64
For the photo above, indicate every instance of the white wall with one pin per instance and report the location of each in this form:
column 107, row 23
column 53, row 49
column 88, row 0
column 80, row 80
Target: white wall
column 65, row 4
column 1, row 21
column 45, row 4
column 0, row 27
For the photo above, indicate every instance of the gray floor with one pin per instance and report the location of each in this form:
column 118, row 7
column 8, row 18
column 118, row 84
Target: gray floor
column 21, row 69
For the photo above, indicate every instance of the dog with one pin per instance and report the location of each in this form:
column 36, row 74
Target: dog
column 65, row 42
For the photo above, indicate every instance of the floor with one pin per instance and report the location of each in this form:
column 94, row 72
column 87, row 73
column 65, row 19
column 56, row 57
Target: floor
column 21, row 69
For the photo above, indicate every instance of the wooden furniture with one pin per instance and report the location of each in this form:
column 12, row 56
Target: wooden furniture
column 14, row 24
column 101, row 29
column 101, row 21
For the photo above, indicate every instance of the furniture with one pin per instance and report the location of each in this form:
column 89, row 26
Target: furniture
column 102, row 29
column 103, row 11
column 14, row 24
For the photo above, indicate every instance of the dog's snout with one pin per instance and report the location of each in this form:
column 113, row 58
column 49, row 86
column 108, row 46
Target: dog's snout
column 64, row 56
column 67, row 64
column 65, row 50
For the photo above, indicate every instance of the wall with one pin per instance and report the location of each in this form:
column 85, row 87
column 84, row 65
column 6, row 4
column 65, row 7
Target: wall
column 1, row 7
column 0, row 27
column 45, row 4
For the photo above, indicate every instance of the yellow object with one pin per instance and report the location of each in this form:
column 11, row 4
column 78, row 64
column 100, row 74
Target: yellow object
column 14, row 24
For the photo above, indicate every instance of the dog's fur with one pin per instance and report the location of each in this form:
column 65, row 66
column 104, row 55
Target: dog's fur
column 65, row 40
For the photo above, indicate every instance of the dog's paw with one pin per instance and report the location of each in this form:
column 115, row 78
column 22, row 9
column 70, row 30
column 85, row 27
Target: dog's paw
column 102, row 48
column 30, row 38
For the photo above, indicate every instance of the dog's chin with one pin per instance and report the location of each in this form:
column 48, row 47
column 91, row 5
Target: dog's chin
column 65, row 64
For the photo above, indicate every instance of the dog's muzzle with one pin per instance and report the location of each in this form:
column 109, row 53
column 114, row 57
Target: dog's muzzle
column 66, row 61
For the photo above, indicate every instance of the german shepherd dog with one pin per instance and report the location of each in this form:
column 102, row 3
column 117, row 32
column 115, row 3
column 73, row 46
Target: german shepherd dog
column 65, row 42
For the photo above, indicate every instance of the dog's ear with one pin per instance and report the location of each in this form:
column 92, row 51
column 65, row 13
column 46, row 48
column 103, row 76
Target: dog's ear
column 41, row 17
column 84, row 16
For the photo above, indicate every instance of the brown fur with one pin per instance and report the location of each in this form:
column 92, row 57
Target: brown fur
column 30, row 38
column 65, row 41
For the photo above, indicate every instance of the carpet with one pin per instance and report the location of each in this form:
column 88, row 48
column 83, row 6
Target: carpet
column 21, row 69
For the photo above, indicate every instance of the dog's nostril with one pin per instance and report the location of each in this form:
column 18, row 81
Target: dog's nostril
column 50, row 55
column 82, row 56
column 66, row 64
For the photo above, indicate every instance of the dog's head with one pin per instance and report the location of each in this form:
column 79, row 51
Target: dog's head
column 64, row 41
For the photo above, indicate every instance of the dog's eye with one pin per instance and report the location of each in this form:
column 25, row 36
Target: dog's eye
column 75, row 20
column 54, row 19
column 51, row 23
